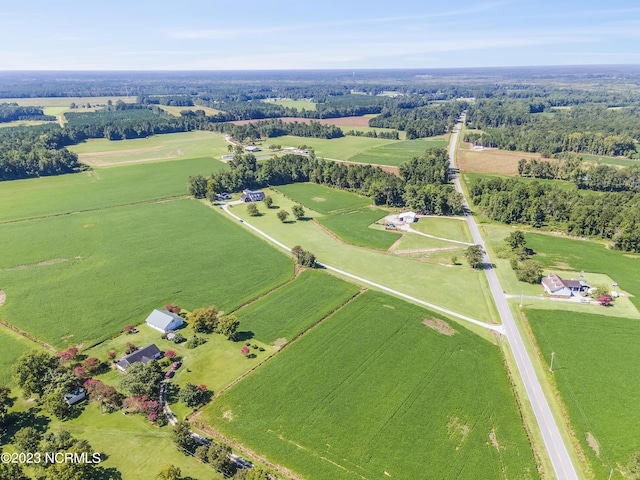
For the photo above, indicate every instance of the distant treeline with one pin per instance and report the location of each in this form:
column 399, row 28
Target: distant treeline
column 277, row 128
column 601, row 178
column 422, row 186
column 514, row 125
column 420, row 121
column 33, row 152
column 614, row 215
column 11, row 112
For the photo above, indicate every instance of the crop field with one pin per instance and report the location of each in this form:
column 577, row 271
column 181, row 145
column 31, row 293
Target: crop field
column 288, row 102
column 490, row 160
column 99, row 188
column 353, row 227
column 619, row 161
column 450, row 228
column 103, row 152
column 372, row 392
column 80, row 278
column 595, row 369
column 322, row 199
column 399, row 152
column 64, row 101
column 295, row 307
column 394, row 271
column 12, row 345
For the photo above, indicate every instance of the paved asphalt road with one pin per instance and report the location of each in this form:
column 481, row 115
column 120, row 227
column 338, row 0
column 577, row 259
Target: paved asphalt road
column 558, row 452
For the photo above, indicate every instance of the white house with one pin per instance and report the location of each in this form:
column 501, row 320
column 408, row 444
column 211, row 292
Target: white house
column 557, row 287
column 407, row 217
column 164, row 321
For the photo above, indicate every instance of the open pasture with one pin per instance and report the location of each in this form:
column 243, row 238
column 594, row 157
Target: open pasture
column 322, row 199
column 100, row 188
column 12, row 345
column 65, row 101
column 78, row 279
column 372, row 392
column 103, row 152
column 399, row 152
column 490, row 160
column 293, row 308
column 343, row 148
column 394, row 271
column 353, row 227
column 595, row 369
column 451, row 228
column 290, row 103
column 618, row 161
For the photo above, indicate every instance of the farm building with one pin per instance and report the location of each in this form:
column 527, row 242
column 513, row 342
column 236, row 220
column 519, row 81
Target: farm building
column 143, row 355
column 251, row 148
column 407, row 217
column 164, row 321
column 555, row 286
column 252, row 196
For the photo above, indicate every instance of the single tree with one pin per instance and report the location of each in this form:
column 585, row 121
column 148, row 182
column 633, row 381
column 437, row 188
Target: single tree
column 252, row 209
column 218, row 457
column 27, row 439
column 298, row 211
column 268, row 201
column 515, row 240
column 169, row 472
column 474, row 255
column 181, row 436
column 228, row 326
column 197, row 186
column 529, row 271
column 454, row 259
column 204, row 319
column 282, row 215
column 31, row 371
column 191, row 395
column 604, row 300
column 54, row 403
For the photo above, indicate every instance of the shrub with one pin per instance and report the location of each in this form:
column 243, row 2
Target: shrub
column 130, row 348
column 128, row 329
column 195, row 342
column 245, row 351
column 178, row 338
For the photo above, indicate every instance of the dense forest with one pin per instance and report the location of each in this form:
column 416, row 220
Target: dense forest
column 614, row 215
column 33, row 153
column 11, row 112
column 422, row 186
column 277, row 128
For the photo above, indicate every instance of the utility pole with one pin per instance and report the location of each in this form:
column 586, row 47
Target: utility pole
column 553, row 354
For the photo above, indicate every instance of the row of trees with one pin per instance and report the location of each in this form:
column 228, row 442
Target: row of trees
column 11, row 112
column 392, row 135
column 277, row 128
column 422, row 185
column 614, row 216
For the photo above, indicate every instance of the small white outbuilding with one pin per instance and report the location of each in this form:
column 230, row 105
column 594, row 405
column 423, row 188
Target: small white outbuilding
column 164, row 321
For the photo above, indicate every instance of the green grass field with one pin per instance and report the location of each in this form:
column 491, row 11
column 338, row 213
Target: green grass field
column 107, row 268
column 103, row 152
column 322, row 199
column 343, row 148
column 288, row 102
column 295, row 307
column 12, row 345
column 372, row 392
column 64, row 101
column 444, row 227
column 100, row 188
column 399, row 152
column 595, row 369
column 469, row 178
column 619, row 161
column 353, row 227
column 395, row 271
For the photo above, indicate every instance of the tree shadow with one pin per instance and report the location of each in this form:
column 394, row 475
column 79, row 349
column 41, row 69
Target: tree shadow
column 243, row 336
column 289, row 221
column 485, row 266
column 304, row 219
column 101, row 473
column 17, row 420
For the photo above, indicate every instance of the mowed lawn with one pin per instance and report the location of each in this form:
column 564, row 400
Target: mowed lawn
column 100, row 188
column 374, row 393
column 322, row 199
column 353, row 227
column 399, row 152
column 295, row 307
column 596, row 370
column 78, row 279
column 450, row 228
column 103, row 152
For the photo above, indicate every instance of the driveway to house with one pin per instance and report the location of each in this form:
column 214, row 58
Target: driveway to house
column 556, row 447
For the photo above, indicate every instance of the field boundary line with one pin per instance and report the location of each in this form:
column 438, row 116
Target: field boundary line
column 26, row 335
column 53, row 215
column 496, row 328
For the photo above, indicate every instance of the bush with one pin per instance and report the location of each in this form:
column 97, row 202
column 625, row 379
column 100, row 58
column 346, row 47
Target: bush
column 130, row 348
column 178, row 338
column 195, row 342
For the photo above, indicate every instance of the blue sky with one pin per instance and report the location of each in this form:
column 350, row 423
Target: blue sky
column 249, row 34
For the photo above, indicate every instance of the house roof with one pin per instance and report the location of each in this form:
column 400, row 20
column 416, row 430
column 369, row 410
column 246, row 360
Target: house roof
column 253, row 195
column 143, row 355
column 553, row 282
column 572, row 283
column 161, row 319
column 407, row 214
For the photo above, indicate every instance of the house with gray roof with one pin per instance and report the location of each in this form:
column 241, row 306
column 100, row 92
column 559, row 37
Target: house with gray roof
column 252, row 196
column 143, row 355
column 164, row 321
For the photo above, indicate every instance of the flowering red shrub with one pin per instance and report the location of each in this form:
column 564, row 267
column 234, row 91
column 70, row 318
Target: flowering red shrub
column 170, row 354
column 68, row 354
column 128, row 328
column 79, row 371
column 604, row 300
column 111, row 356
column 202, row 387
column 142, row 405
column 91, row 365
column 245, row 350
column 106, row 393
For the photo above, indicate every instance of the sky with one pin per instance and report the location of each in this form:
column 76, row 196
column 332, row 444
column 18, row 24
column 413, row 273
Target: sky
column 321, row 34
